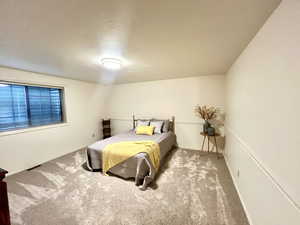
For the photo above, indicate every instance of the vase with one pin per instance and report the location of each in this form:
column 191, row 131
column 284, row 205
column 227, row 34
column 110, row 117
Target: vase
column 211, row 131
column 206, row 125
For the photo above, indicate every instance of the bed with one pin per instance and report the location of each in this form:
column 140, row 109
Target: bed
column 139, row 166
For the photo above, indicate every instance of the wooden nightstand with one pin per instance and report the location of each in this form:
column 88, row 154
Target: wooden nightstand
column 106, row 128
column 205, row 135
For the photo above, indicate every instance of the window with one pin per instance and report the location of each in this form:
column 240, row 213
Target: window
column 23, row 106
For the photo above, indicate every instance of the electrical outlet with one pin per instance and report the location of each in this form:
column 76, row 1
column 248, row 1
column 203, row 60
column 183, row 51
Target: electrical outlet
column 238, row 173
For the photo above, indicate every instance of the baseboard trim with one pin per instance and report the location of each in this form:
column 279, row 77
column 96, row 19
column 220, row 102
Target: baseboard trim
column 238, row 191
column 247, row 149
column 41, row 163
column 32, row 168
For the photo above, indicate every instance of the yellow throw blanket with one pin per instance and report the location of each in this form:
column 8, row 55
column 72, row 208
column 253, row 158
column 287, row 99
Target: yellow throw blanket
column 116, row 153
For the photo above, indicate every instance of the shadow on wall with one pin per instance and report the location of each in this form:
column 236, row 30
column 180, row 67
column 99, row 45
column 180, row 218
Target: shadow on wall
column 218, row 123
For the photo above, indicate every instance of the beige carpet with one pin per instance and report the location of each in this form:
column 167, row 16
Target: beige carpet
column 189, row 190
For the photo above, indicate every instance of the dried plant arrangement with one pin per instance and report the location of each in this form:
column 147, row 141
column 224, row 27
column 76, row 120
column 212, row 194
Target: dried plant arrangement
column 205, row 112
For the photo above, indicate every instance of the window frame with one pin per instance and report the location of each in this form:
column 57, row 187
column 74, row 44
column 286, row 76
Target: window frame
column 38, row 127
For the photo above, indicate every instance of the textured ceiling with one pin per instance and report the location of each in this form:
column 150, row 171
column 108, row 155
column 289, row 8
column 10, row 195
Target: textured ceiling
column 156, row 39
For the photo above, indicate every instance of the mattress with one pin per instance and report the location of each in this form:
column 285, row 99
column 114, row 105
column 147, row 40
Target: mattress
column 138, row 166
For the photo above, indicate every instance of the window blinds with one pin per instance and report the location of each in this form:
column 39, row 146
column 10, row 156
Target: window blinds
column 25, row 106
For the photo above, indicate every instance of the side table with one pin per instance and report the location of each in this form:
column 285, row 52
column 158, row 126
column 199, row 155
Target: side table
column 206, row 136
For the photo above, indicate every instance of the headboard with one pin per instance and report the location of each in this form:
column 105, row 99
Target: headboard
column 172, row 122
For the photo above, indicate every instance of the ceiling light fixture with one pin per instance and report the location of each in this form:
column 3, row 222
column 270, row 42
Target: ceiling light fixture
column 111, row 64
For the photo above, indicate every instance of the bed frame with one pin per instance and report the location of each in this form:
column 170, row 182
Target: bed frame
column 172, row 122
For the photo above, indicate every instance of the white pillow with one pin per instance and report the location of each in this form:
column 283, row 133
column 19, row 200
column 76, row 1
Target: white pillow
column 158, row 124
column 142, row 123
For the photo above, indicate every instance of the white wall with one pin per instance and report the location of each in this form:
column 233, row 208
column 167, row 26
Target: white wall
column 262, row 127
column 166, row 98
column 84, row 108
column 87, row 103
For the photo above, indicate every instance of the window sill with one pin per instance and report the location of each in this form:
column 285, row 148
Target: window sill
column 32, row 129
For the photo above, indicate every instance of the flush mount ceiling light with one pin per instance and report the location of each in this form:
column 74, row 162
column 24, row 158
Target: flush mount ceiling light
column 111, row 64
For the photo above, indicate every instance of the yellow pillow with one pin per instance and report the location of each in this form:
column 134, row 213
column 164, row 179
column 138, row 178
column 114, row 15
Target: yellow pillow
column 147, row 130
